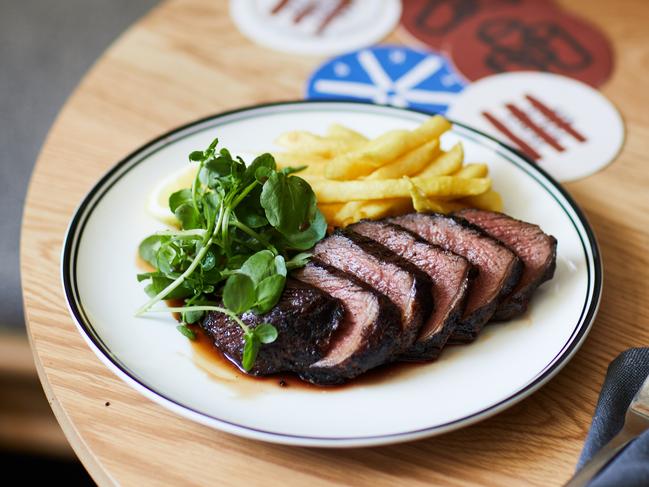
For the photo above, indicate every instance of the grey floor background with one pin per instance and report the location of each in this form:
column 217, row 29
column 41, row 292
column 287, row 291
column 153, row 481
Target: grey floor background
column 45, row 48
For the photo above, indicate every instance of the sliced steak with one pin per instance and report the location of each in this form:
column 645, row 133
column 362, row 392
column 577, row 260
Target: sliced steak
column 498, row 267
column 450, row 279
column 305, row 318
column 385, row 271
column 537, row 251
column 368, row 333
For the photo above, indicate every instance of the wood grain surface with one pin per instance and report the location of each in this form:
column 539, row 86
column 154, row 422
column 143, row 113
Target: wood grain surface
column 186, row 60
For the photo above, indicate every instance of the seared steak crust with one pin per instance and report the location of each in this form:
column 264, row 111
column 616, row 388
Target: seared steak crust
column 305, row 318
column 405, row 285
column 368, row 334
column 498, row 267
column 536, row 249
column 450, row 279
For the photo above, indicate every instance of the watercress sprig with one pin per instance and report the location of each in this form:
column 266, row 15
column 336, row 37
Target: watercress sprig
column 240, row 229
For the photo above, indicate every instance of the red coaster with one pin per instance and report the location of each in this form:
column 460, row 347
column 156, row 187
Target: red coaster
column 531, row 38
column 430, row 21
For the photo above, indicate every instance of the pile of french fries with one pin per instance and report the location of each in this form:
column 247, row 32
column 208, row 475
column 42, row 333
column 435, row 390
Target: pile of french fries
column 397, row 172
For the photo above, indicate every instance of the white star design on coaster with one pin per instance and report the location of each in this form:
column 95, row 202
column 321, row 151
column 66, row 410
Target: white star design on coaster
column 341, row 69
column 400, row 92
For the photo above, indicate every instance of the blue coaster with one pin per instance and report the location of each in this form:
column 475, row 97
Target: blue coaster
column 388, row 75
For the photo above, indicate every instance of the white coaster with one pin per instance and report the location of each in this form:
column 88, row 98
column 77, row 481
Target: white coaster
column 319, row 27
column 565, row 126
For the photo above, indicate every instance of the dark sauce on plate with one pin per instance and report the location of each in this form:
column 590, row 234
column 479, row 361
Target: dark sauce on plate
column 216, row 364
column 213, row 361
column 222, row 369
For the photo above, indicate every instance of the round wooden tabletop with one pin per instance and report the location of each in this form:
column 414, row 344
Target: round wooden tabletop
column 186, row 60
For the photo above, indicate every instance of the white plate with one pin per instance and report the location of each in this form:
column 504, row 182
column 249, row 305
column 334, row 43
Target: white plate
column 468, row 383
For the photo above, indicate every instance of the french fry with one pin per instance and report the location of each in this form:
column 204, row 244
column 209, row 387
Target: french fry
column 329, row 191
column 375, row 209
column 357, row 210
column 330, row 211
column 385, row 148
column 446, row 163
column 312, row 171
column 374, row 154
column 311, row 178
column 473, row 171
column 299, row 141
column 422, row 203
column 337, row 131
column 296, row 159
column 356, row 178
column 349, row 211
column 408, row 164
column 315, row 165
column 490, row 201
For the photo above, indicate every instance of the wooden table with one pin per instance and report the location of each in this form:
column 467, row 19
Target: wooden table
column 186, row 60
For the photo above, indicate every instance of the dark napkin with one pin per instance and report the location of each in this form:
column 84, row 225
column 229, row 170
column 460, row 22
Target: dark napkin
column 624, row 377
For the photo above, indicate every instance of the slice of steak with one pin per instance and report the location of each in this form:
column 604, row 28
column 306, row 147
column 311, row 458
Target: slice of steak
column 385, row 271
column 450, row 280
column 305, row 318
column 498, row 267
column 536, row 249
column 368, row 333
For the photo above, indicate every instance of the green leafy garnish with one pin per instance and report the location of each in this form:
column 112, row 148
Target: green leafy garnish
column 240, row 230
column 187, row 331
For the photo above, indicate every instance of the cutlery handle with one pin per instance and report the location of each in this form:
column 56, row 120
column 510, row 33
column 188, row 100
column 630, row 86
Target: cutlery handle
column 601, row 459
